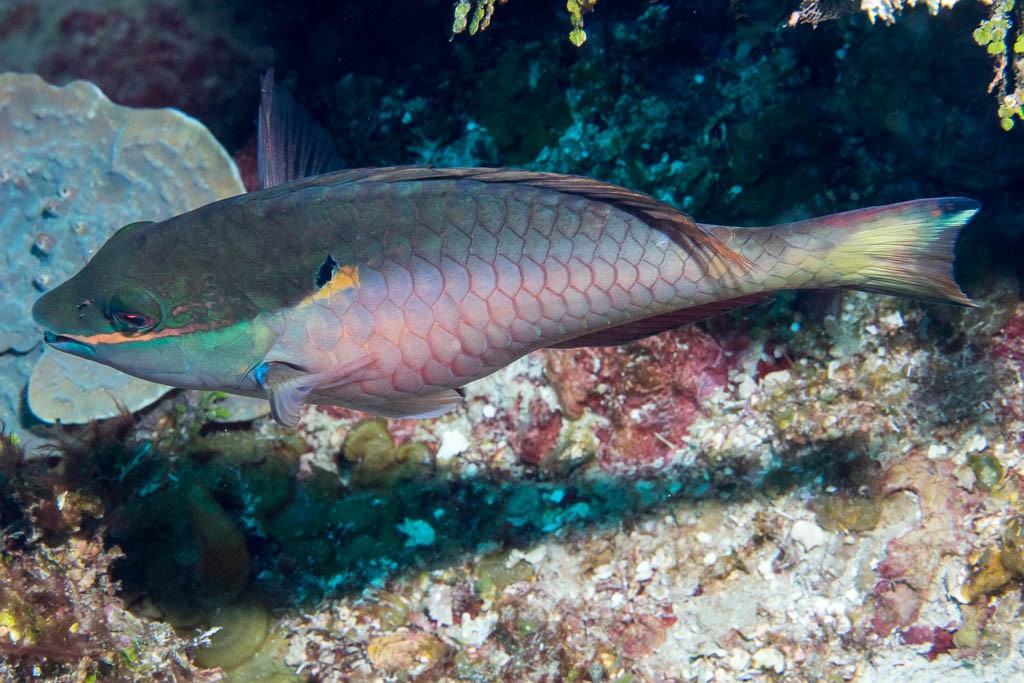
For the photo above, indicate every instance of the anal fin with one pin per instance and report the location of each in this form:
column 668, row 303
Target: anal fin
column 421, row 407
column 639, row 329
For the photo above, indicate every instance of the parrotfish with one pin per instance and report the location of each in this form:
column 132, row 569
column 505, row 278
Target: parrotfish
column 387, row 290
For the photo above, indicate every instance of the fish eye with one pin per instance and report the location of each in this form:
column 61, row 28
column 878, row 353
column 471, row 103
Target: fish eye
column 134, row 321
column 133, row 309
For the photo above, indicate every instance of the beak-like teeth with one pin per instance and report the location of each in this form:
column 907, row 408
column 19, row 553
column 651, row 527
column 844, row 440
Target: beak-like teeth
column 68, row 344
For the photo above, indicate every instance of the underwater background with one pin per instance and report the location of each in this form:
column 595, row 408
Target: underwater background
column 826, row 486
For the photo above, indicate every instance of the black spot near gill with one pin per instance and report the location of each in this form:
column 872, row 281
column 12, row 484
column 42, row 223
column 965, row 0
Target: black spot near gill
column 326, row 272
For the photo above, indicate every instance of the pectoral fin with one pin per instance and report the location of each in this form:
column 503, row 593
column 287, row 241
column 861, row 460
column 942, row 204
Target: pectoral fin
column 288, row 387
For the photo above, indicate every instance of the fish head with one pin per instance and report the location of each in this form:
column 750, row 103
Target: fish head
column 143, row 306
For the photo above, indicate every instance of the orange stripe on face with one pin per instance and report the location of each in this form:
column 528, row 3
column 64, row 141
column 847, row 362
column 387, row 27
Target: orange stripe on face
column 121, row 337
column 178, row 310
column 344, row 278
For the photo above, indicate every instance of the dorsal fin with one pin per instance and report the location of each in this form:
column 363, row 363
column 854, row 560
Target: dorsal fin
column 639, row 329
column 683, row 230
column 291, row 144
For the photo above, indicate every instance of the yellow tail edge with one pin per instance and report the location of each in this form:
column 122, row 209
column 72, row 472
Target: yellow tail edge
column 904, row 249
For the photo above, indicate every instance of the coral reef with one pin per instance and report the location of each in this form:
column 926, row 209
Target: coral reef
column 824, row 468
column 815, row 473
column 75, row 168
column 647, row 394
column 64, row 388
column 827, row 486
column 61, row 617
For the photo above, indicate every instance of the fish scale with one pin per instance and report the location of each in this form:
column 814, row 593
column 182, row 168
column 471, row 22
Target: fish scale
column 588, row 272
column 388, row 289
column 439, row 277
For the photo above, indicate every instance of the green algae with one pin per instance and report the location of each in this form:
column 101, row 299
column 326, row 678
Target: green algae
column 185, row 518
column 988, row 471
column 222, row 559
column 577, row 445
column 410, row 652
column 390, row 610
column 368, row 440
column 1000, row 568
column 847, row 512
column 377, row 462
column 241, row 631
column 266, row 666
column 523, row 108
column 497, row 571
column 184, row 550
column 1013, row 547
column 245, row 645
column 968, row 636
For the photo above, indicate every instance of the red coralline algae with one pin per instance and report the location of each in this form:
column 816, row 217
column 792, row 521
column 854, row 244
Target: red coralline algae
column 23, row 17
column 247, row 161
column 899, row 560
column 1009, row 344
column 770, row 362
column 148, row 61
column 897, row 606
column 537, row 439
column 941, row 639
column 641, row 636
column 907, row 572
column 1008, row 353
column 650, row 391
column 161, row 54
column 942, row 643
column 531, row 437
column 916, row 635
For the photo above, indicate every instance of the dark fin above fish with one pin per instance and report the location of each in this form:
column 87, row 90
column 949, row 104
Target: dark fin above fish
column 288, row 388
column 683, row 230
column 291, row 144
column 902, row 249
column 640, row 329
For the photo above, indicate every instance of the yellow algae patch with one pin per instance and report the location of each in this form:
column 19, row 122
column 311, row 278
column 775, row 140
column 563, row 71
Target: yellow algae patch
column 413, row 652
column 242, row 630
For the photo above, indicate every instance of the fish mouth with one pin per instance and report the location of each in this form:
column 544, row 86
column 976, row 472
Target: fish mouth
column 68, row 344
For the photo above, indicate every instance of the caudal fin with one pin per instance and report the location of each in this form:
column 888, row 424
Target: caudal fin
column 903, row 249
